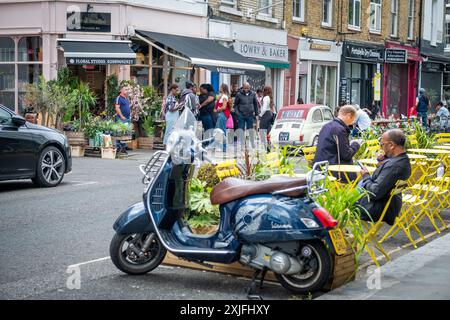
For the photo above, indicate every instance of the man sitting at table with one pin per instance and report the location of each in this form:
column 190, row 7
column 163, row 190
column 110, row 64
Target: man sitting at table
column 333, row 144
column 394, row 166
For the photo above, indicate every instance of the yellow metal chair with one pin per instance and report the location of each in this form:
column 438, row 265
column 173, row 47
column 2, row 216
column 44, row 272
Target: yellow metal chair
column 370, row 241
column 227, row 169
column 309, row 153
column 443, row 138
column 412, row 141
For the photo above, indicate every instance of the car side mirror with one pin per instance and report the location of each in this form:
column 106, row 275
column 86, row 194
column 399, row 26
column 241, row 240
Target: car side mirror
column 18, row 120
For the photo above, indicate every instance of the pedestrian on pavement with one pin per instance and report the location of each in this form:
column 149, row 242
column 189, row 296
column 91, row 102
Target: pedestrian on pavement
column 266, row 114
column 170, row 111
column 333, row 144
column 207, row 101
column 363, row 121
column 246, row 107
column 394, row 166
column 234, row 90
column 423, row 105
column 443, row 114
column 259, row 97
column 189, row 99
column 123, row 112
column 222, row 108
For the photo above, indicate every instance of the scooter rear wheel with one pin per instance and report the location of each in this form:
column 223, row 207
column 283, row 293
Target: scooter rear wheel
column 123, row 255
column 319, row 267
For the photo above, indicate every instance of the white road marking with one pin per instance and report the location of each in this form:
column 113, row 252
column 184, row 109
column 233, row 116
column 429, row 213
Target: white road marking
column 104, row 259
column 83, row 183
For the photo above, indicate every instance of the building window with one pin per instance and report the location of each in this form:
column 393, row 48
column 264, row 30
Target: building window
column 323, row 85
column 375, row 16
column 354, row 13
column 410, row 19
column 299, row 10
column 20, row 65
column 231, row 3
column 394, row 18
column 265, row 7
column 327, row 13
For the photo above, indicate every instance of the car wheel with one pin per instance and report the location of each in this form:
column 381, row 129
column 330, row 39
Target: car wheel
column 50, row 168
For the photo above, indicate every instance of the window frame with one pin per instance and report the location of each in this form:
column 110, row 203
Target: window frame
column 411, row 9
column 301, row 17
column 394, row 15
column 352, row 24
column 328, row 23
column 266, row 14
column 378, row 9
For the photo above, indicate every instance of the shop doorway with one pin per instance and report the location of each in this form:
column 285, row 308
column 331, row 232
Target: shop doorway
column 94, row 76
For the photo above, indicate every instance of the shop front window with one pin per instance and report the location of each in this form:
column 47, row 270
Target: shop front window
column 20, row 65
column 353, row 74
column 7, row 49
column 140, row 75
column 323, row 85
column 397, row 90
column 30, row 49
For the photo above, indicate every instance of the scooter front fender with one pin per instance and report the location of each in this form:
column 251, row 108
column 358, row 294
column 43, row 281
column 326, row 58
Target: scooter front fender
column 134, row 220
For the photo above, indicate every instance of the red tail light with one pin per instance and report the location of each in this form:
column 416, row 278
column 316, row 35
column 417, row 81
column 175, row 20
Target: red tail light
column 301, row 138
column 325, row 218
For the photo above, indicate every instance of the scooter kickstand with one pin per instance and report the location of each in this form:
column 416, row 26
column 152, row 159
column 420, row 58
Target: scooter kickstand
column 263, row 275
column 252, row 287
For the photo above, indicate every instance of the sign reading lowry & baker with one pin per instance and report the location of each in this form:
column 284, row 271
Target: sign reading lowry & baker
column 262, row 51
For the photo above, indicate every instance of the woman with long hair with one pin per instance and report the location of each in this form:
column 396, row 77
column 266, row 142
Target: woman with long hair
column 222, row 108
column 266, row 114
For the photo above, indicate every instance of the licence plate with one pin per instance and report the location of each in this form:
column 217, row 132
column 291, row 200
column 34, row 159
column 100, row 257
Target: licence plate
column 339, row 243
column 284, row 136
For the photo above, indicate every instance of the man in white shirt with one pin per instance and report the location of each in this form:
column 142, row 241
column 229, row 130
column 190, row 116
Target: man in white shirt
column 363, row 121
column 443, row 114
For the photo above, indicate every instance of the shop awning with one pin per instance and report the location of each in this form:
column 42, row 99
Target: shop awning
column 97, row 51
column 274, row 64
column 205, row 53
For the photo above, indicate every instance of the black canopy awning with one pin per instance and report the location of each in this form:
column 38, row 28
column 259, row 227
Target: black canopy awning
column 205, row 53
column 97, row 51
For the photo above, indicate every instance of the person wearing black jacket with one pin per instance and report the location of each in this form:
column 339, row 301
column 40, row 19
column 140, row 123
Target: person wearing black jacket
column 393, row 166
column 246, row 106
column 333, row 144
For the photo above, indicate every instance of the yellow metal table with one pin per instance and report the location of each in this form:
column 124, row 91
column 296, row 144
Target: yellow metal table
column 346, row 169
column 441, row 155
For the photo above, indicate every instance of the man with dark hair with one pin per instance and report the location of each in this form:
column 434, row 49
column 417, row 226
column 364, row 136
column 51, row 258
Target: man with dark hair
column 393, row 166
column 423, row 105
column 246, row 107
column 190, row 99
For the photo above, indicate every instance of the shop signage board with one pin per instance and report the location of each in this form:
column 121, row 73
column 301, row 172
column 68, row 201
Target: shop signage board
column 96, row 61
column 320, row 47
column 396, row 56
column 364, row 53
column 344, row 90
column 89, row 21
column 432, row 67
column 262, row 51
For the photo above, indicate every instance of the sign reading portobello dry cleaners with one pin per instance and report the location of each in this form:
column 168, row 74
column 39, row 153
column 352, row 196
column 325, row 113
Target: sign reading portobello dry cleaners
column 262, row 51
column 100, row 61
column 396, row 56
column 363, row 53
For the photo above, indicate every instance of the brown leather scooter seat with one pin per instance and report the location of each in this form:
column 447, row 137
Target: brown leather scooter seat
column 232, row 188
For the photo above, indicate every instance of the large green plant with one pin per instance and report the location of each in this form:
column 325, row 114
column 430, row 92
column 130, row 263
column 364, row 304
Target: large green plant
column 202, row 212
column 425, row 139
column 112, row 91
column 85, row 99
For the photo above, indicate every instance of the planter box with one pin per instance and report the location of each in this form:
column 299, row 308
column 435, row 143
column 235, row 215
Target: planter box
column 109, row 153
column 145, row 143
column 77, row 151
column 76, row 138
column 133, row 145
column 344, row 271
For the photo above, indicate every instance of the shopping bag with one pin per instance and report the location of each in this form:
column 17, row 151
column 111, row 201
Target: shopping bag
column 230, row 123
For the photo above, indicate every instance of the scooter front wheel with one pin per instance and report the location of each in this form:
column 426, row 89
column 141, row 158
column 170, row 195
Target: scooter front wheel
column 129, row 255
column 316, row 272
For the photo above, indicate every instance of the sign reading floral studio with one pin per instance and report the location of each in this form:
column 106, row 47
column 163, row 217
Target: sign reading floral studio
column 262, row 51
column 363, row 53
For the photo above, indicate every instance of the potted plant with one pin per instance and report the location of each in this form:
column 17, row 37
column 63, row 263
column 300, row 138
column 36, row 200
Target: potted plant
column 204, row 216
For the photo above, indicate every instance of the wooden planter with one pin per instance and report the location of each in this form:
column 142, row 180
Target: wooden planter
column 344, row 271
column 76, row 138
column 145, row 143
column 133, row 145
column 77, row 151
column 109, row 153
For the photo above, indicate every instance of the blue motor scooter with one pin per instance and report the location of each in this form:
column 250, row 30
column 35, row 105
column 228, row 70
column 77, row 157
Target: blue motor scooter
column 273, row 225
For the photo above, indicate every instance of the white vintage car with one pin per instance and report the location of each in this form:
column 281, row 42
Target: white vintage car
column 300, row 124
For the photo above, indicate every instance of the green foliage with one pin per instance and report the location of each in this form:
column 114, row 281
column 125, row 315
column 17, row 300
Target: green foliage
column 202, row 212
column 208, row 174
column 425, row 139
column 85, row 99
column 112, row 90
column 342, row 205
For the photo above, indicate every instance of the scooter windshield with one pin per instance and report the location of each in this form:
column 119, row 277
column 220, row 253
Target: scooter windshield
column 182, row 139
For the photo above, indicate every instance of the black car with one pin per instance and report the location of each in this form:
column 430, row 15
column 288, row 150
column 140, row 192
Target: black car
column 29, row 151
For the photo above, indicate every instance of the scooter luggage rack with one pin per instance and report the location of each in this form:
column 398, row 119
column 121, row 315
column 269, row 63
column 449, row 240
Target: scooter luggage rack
column 317, row 178
column 153, row 166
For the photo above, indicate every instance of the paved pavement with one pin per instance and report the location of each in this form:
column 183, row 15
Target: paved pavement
column 44, row 231
column 421, row 274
